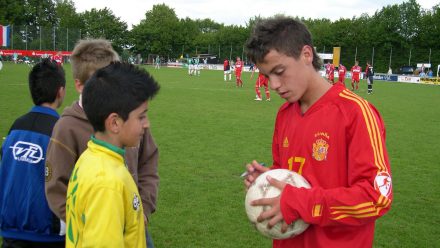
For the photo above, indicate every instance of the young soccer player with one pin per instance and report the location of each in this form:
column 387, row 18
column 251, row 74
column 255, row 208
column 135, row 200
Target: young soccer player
column 355, row 75
column 238, row 70
column 331, row 136
column 226, row 69
column 341, row 74
column 262, row 81
column 25, row 217
column 157, row 62
column 197, row 66
column 330, row 72
column 103, row 203
column 73, row 130
column 58, row 58
column 369, row 73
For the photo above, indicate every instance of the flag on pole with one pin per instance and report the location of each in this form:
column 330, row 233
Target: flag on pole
column 5, row 39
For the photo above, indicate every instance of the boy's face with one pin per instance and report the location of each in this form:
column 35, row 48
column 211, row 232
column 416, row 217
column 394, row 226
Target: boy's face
column 287, row 75
column 133, row 128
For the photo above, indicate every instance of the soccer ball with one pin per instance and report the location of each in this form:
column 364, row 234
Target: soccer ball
column 262, row 189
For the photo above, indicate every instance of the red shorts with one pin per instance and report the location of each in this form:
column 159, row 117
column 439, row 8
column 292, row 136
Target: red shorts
column 262, row 81
column 355, row 79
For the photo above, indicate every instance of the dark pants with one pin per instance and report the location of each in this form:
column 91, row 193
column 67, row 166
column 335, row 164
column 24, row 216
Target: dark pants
column 370, row 84
column 16, row 243
column 149, row 240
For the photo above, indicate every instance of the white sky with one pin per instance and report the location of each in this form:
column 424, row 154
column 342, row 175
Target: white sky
column 239, row 12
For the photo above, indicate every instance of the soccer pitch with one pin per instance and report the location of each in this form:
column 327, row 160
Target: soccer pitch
column 207, row 130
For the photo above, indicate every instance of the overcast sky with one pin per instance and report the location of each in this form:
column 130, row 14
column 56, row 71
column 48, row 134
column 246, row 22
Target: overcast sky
column 239, row 12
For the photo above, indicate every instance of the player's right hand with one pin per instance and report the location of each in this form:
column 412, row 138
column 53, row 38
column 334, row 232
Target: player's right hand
column 253, row 169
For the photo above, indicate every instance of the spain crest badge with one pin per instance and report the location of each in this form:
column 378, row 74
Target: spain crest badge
column 320, row 149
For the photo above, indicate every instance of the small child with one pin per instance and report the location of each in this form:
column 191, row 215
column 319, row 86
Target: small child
column 103, row 203
column 25, row 219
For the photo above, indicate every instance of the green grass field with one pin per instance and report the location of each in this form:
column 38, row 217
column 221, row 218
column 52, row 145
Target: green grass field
column 207, row 130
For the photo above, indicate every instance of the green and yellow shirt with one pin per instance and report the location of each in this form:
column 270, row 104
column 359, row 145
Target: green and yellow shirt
column 103, row 207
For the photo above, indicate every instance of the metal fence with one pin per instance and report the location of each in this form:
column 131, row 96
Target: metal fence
column 44, row 38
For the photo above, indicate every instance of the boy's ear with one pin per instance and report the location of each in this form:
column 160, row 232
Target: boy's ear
column 307, row 53
column 113, row 123
column 79, row 86
column 61, row 94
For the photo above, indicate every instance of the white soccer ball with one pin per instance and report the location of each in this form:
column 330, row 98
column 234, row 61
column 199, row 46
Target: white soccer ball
column 261, row 188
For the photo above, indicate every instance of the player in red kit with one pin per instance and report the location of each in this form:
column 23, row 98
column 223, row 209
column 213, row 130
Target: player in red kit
column 341, row 72
column 332, row 137
column 58, row 59
column 330, row 72
column 262, row 81
column 355, row 75
column 238, row 70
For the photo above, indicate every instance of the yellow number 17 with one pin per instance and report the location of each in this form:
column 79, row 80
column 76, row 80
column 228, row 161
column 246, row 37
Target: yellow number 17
column 299, row 160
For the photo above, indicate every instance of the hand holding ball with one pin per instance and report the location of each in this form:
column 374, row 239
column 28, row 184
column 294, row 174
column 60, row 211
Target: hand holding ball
column 261, row 188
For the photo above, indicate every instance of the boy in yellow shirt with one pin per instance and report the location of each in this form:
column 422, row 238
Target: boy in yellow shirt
column 103, row 206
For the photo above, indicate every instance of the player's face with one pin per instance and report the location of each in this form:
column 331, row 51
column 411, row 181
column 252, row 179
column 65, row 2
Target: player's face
column 134, row 127
column 287, row 75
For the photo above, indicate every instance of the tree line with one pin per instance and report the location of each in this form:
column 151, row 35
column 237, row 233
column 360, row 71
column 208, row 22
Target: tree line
column 396, row 35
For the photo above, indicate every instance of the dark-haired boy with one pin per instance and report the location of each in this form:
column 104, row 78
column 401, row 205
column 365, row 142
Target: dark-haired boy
column 103, row 205
column 73, row 130
column 25, row 219
column 326, row 133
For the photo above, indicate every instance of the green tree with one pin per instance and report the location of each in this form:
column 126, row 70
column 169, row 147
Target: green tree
column 67, row 15
column 69, row 25
column 11, row 12
column 157, row 33
column 40, row 13
column 103, row 23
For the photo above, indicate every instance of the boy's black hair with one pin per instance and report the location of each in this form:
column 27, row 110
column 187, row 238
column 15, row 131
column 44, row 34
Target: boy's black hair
column 45, row 79
column 117, row 88
column 284, row 35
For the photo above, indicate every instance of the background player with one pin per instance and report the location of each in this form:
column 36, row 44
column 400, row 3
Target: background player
column 238, row 70
column 197, row 66
column 330, row 72
column 226, row 69
column 369, row 73
column 341, row 73
column 58, row 58
column 262, row 81
column 355, row 75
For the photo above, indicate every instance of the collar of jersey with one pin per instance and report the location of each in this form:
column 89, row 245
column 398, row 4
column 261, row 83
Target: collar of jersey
column 45, row 110
column 109, row 146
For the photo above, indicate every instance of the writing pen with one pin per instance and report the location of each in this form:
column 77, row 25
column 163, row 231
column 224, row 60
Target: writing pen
column 244, row 174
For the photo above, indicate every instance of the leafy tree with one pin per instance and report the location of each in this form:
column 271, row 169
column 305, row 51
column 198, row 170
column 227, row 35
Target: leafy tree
column 67, row 15
column 409, row 18
column 11, row 12
column 158, row 32
column 104, row 24
column 40, row 13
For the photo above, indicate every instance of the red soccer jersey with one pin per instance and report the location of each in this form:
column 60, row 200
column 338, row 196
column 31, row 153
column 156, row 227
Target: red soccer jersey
column 356, row 72
column 58, row 59
column 345, row 160
column 330, row 71
column 226, row 65
column 238, row 66
column 262, row 80
column 341, row 71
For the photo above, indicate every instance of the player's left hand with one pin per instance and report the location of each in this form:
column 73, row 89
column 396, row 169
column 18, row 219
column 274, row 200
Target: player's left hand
column 274, row 213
